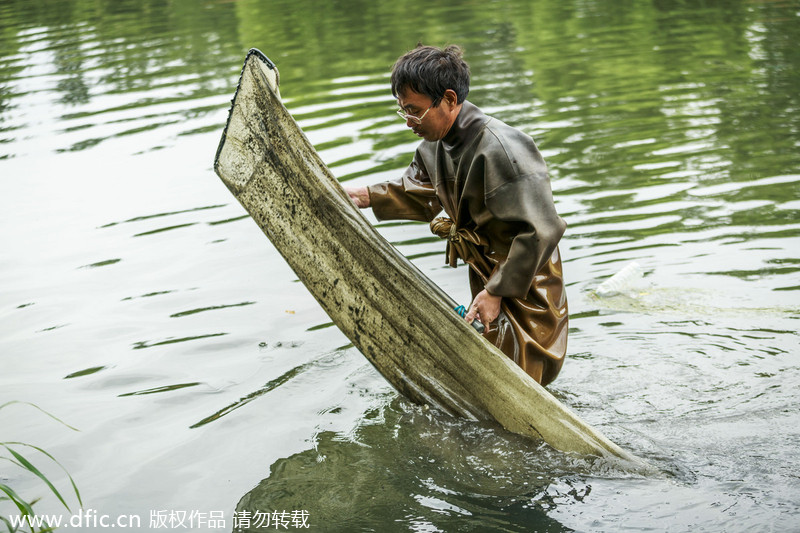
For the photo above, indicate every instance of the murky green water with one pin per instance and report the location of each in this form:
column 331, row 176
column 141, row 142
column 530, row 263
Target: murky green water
column 140, row 304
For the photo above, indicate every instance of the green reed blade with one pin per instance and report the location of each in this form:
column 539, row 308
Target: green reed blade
column 40, row 450
column 23, row 506
column 7, row 523
column 40, row 409
column 29, row 466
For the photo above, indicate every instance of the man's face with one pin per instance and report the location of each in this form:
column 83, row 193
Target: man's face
column 436, row 121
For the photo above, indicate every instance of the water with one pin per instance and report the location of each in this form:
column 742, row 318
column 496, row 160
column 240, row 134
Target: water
column 141, row 305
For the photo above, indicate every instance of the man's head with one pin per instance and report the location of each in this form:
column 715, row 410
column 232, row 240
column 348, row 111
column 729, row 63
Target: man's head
column 431, row 83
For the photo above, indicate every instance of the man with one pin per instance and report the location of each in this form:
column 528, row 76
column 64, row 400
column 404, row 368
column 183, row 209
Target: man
column 492, row 183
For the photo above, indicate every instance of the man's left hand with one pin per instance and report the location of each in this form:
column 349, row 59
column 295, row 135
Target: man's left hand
column 485, row 307
column 359, row 196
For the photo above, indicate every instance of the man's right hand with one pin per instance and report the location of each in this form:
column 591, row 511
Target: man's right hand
column 485, row 307
column 359, row 195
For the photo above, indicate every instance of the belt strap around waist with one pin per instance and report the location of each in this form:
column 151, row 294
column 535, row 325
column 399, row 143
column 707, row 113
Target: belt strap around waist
column 461, row 242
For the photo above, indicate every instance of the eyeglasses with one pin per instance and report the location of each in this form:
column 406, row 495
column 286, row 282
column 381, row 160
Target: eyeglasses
column 412, row 118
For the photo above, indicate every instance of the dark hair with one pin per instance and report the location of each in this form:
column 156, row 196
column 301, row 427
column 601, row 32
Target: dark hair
column 431, row 71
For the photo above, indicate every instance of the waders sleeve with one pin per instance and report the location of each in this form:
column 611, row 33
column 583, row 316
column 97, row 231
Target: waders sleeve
column 411, row 197
column 517, row 191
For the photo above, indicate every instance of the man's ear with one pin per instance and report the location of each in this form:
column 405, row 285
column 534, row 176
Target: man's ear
column 450, row 97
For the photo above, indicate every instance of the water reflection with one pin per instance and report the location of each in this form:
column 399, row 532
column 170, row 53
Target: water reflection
column 118, row 71
column 671, row 132
column 406, row 469
column 273, row 384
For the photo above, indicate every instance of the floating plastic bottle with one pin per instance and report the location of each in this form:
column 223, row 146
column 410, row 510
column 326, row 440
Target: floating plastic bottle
column 620, row 281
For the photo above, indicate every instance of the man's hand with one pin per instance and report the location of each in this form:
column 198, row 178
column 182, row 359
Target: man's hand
column 359, row 195
column 485, row 307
